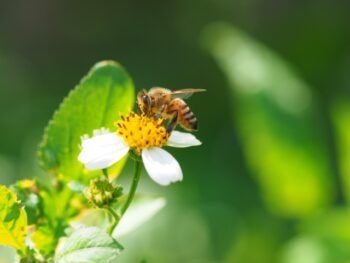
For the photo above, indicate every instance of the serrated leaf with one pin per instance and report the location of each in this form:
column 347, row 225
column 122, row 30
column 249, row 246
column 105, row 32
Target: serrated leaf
column 87, row 245
column 13, row 220
column 93, row 104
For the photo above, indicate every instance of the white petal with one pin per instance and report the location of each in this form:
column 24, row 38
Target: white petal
column 102, row 151
column 161, row 166
column 182, row 140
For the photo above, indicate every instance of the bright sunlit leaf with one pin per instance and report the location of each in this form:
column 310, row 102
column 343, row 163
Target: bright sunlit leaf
column 277, row 121
column 13, row 220
column 89, row 245
column 94, row 103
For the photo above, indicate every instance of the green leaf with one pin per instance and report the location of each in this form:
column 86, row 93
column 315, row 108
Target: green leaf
column 341, row 122
column 28, row 193
column 141, row 210
column 13, row 220
column 41, row 207
column 323, row 238
column 93, row 104
column 86, row 245
column 44, row 239
column 278, row 123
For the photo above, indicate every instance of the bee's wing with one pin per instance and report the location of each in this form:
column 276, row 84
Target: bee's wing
column 185, row 93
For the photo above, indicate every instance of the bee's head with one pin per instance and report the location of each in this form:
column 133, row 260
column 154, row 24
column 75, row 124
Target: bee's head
column 143, row 101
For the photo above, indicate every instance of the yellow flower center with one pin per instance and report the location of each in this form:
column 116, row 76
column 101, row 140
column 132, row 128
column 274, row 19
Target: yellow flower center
column 141, row 131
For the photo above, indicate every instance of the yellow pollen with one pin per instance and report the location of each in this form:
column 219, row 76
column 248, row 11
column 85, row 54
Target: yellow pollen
column 141, row 131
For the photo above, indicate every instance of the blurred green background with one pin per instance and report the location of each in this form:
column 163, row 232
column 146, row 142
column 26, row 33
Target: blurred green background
column 271, row 182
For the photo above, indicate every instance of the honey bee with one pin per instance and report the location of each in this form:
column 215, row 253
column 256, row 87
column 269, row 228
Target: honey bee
column 161, row 102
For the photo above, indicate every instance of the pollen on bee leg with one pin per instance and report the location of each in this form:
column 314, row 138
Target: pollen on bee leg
column 160, row 122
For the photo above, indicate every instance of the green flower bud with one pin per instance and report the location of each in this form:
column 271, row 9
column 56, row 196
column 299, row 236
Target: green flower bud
column 101, row 192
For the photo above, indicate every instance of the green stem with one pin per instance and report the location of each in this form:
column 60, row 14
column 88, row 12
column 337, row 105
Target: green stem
column 116, row 218
column 105, row 172
column 135, row 181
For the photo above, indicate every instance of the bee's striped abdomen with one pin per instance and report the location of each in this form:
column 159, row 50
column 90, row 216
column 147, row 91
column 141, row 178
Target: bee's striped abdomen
column 186, row 117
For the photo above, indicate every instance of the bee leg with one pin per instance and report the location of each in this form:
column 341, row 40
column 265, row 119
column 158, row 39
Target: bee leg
column 138, row 108
column 171, row 126
column 158, row 115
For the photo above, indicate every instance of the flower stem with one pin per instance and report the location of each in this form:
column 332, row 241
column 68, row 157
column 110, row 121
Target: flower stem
column 116, row 218
column 135, row 181
column 105, row 172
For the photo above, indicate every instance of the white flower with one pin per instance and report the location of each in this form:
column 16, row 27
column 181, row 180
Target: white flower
column 106, row 148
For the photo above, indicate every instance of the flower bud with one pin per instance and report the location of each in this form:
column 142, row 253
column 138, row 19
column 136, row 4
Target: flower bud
column 101, row 192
